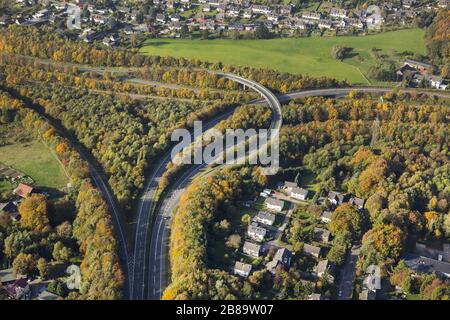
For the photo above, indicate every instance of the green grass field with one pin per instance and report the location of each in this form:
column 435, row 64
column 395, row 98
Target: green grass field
column 34, row 159
column 304, row 55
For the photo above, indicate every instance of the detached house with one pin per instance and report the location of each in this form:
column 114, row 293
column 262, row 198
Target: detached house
column 321, row 235
column 252, row 249
column 326, row 216
column 256, row 233
column 265, row 218
column 357, row 202
column 282, row 257
column 299, row 193
column 274, row 204
column 335, row 198
column 325, row 266
column 311, row 250
column 242, row 269
column 23, row 190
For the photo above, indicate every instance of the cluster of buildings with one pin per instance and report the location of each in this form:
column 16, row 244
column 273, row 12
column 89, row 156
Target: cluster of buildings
column 420, row 74
column 167, row 17
column 18, row 287
column 263, row 227
column 10, row 207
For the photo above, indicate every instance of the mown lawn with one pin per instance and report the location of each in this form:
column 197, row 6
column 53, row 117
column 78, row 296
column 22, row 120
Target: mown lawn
column 35, row 160
column 304, row 55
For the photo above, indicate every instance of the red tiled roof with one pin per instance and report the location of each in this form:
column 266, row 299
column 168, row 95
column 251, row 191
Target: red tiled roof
column 23, row 190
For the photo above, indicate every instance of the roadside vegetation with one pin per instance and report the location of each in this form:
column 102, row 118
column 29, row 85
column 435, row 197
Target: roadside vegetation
column 73, row 227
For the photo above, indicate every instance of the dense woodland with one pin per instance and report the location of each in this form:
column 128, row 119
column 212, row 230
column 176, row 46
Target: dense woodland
column 438, row 42
column 362, row 146
column 124, row 136
column 76, row 228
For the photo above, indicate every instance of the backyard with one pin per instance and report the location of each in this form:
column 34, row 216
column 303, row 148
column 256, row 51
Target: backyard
column 35, row 160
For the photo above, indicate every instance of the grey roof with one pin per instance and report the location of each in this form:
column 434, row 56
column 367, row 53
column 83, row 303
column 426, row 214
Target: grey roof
column 257, row 230
column 311, row 249
column 321, row 234
column 427, row 265
column 418, row 63
column 322, row 266
column 252, row 246
column 356, row 201
column 282, row 254
column 8, row 275
column 289, row 184
column 266, row 216
column 367, row 295
column 301, row 191
column 327, row 214
column 45, row 295
column 334, row 195
column 244, row 267
column 275, row 202
column 372, row 282
column 315, row 296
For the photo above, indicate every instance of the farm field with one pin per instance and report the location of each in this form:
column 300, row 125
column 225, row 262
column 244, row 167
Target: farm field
column 34, row 159
column 303, row 55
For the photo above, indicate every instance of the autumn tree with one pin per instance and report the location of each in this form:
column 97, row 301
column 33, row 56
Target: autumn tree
column 33, row 212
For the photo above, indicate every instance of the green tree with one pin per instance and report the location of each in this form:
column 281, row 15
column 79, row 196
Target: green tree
column 24, row 264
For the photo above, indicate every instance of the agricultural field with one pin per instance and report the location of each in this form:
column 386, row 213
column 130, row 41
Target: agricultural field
column 304, row 55
column 35, row 160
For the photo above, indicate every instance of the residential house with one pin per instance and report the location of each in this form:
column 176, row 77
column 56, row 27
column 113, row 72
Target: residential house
column 433, row 253
column 299, row 193
column 175, row 18
column 256, row 233
column 357, row 202
column 288, row 185
column 422, row 67
column 265, row 218
column 312, row 15
column 11, row 209
column 324, row 24
column 274, row 204
column 408, row 3
column 242, row 269
column 45, row 295
column 326, row 216
column 325, row 267
column 282, row 257
column 335, row 198
column 371, row 283
column 23, row 190
column 8, row 276
column 437, row 82
column 338, row 13
column 321, row 235
column 252, row 249
column 316, row 296
column 311, row 250
column 428, row 265
column 261, row 9
column 248, row 14
column 443, row 4
column 17, row 289
column 4, row 20
column 161, row 18
column 286, row 10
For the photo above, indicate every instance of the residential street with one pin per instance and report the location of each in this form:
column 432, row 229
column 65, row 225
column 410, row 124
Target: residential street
column 345, row 288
